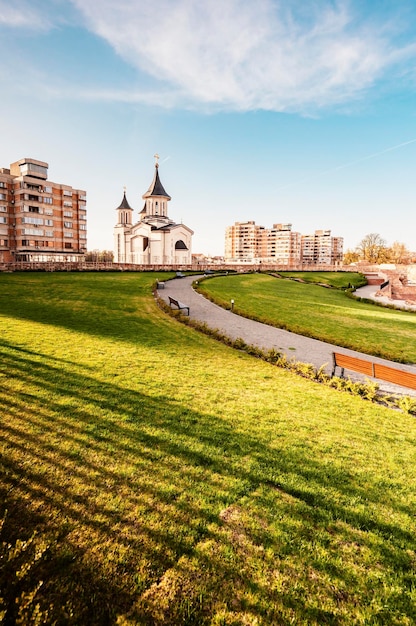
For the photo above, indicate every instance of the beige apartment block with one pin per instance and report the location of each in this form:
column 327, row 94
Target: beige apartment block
column 244, row 242
column 40, row 221
column 154, row 239
column 248, row 242
column 251, row 243
column 321, row 248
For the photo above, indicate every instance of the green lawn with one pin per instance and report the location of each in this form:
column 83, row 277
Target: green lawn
column 339, row 280
column 318, row 312
column 165, row 488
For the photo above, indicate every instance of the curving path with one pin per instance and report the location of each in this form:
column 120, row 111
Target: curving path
column 266, row 337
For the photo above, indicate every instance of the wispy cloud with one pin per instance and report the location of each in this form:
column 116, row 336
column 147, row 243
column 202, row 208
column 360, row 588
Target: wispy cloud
column 240, row 55
column 23, row 14
column 250, row 55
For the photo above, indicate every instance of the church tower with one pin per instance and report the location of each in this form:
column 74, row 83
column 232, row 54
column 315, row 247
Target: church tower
column 124, row 212
column 156, row 199
column 122, row 231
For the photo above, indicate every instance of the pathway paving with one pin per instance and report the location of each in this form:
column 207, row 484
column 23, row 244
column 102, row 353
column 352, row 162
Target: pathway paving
column 298, row 347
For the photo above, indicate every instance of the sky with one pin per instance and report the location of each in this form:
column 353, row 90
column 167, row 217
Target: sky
column 277, row 111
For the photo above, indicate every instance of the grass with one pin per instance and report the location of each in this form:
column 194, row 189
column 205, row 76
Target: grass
column 146, row 483
column 339, row 280
column 326, row 314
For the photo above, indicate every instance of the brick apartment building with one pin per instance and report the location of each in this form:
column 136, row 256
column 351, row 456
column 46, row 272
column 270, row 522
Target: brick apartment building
column 40, row 221
column 251, row 243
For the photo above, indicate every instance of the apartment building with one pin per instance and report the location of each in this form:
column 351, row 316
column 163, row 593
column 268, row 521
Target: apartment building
column 250, row 243
column 282, row 245
column 40, row 220
column 321, row 248
column 244, row 242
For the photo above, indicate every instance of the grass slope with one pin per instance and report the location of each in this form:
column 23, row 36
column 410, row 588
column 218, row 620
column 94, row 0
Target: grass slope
column 326, row 314
column 172, row 480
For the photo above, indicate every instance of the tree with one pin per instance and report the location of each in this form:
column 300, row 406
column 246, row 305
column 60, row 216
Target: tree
column 398, row 253
column 99, row 256
column 350, row 256
column 373, row 249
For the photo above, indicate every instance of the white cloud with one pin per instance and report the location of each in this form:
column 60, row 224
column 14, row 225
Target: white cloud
column 23, row 14
column 274, row 55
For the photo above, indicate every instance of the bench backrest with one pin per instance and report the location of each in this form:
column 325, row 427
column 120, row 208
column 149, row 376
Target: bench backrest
column 354, row 363
column 376, row 370
column 392, row 375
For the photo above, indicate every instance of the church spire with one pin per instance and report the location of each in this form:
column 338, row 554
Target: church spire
column 124, row 211
column 156, row 188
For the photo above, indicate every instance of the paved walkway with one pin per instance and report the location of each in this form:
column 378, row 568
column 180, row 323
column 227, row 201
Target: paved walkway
column 303, row 349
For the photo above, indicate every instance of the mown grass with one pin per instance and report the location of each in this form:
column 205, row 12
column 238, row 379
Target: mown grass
column 339, row 280
column 314, row 311
column 172, row 480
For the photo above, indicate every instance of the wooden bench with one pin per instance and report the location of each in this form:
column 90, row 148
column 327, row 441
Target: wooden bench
column 178, row 304
column 375, row 370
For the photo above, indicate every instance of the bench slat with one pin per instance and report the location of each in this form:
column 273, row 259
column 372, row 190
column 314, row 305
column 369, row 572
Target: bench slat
column 375, row 370
column 354, row 363
column 392, row 375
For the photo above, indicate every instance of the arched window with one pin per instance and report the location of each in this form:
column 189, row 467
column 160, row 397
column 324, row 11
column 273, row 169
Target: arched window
column 180, row 245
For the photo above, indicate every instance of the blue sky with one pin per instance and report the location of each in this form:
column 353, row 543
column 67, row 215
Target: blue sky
column 274, row 111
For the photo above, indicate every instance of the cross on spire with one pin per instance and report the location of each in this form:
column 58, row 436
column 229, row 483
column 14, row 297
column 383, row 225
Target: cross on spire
column 157, row 160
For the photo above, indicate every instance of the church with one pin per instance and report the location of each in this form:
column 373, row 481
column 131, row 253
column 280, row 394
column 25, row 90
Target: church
column 154, row 239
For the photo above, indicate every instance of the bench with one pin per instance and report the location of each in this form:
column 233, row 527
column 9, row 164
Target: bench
column 180, row 275
column 160, row 285
column 375, row 370
column 178, row 304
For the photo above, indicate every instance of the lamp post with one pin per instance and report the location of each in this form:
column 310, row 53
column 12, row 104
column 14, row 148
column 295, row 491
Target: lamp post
column 232, row 305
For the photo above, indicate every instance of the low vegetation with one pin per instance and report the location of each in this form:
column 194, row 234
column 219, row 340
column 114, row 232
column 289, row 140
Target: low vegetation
column 150, row 475
column 326, row 314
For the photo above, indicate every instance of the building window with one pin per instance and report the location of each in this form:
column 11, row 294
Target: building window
column 3, row 196
column 67, row 203
column 4, row 242
column 68, row 224
column 48, row 189
column 33, row 209
column 67, row 193
column 67, row 213
column 47, row 200
column 83, row 227
column 25, row 242
column 68, row 245
column 32, row 231
column 69, row 235
column 48, row 233
column 3, row 209
column 48, row 212
column 48, row 222
column 32, row 220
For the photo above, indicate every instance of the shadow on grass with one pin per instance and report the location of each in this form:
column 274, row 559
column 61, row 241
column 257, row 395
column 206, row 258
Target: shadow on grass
column 101, row 305
column 158, row 511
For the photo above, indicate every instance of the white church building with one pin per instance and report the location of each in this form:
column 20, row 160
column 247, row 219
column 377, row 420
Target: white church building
column 154, row 239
